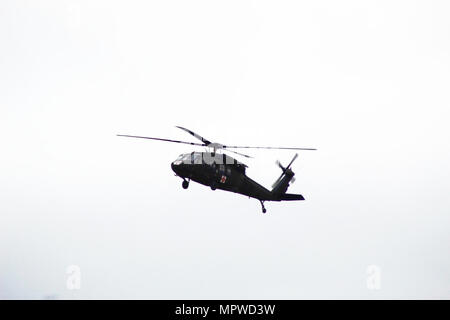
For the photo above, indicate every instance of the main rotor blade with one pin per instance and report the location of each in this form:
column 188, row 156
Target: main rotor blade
column 160, row 139
column 280, row 148
column 199, row 137
column 241, row 154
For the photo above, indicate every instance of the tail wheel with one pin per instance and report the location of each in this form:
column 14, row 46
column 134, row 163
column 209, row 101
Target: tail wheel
column 185, row 184
column 262, row 206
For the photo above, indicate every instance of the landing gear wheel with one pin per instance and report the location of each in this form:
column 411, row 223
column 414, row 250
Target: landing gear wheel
column 213, row 187
column 185, row 184
column 263, row 208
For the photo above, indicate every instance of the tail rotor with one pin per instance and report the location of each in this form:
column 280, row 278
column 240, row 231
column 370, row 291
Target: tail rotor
column 285, row 170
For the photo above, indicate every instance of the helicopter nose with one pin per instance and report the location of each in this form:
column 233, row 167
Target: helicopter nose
column 176, row 167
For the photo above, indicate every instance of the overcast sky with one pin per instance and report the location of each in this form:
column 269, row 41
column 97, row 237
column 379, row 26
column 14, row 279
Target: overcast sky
column 365, row 82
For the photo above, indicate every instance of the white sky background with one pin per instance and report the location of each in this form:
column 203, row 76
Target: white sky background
column 367, row 83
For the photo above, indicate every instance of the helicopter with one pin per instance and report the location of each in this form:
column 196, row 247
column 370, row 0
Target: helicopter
column 218, row 170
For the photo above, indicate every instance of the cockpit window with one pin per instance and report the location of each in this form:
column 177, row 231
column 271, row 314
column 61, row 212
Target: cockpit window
column 197, row 158
column 186, row 158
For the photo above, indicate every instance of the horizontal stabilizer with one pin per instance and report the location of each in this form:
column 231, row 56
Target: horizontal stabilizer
column 291, row 196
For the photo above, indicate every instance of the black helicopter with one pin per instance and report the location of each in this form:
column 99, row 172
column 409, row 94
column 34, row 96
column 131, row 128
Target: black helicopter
column 220, row 171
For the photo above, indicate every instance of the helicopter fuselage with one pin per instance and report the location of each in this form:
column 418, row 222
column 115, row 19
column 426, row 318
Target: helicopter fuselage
column 220, row 171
